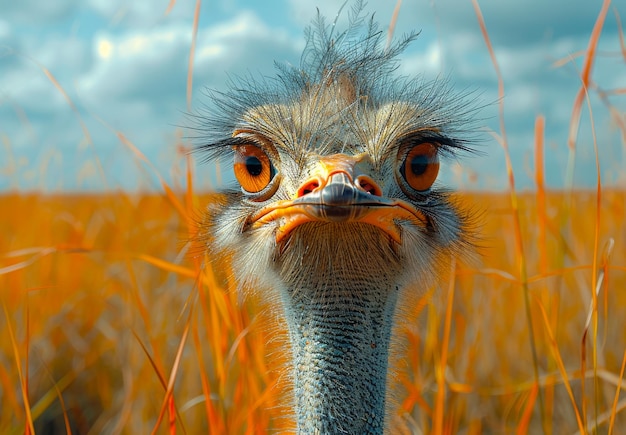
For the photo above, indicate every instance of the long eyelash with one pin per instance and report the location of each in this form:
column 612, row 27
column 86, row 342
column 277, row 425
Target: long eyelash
column 218, row 150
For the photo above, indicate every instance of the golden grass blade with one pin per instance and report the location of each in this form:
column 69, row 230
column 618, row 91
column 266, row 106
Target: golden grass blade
column 620, row 32
column 496, row 67
column 414, row 396
column 248, row 416
column 69, row 101
column 170, row 6
column 606, row 255
column 168, row 266
column 215, row 423
column 522, row 427
column 608, row 248
column 605, row 417
column 521, row 258
column 617, row 393
column 441, row 366
column 59, row 395
column 559, row 272
column 27, row 349
column 554, row 347
column 168, row 401
column 541, row 194
column 6, row 383
column 59, row 386
column 23, row 383
column 595, row 281
column 569, row 58
column 192, row 226
column 593, row 46
column 192, row 53
column 586, row 83
column 38, row 253
column 151, row 360
column 392, row 24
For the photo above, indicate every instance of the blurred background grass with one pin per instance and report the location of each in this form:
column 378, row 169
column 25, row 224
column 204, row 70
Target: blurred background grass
column 111, row 322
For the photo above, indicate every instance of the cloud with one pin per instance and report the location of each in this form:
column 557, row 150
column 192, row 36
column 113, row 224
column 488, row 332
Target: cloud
column 125, row 63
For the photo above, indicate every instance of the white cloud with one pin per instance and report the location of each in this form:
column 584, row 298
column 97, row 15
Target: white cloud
column 427, row 62
column 137, row 64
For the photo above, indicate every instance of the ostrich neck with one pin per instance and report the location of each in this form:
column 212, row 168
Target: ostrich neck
column 340, row 336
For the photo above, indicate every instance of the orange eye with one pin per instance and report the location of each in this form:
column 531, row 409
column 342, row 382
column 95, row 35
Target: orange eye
column 253, row 168
column 421, row 166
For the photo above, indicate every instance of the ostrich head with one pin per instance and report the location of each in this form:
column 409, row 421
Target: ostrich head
column 337, row 217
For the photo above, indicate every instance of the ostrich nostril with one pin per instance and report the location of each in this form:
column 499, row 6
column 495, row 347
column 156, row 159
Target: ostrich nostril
column 368, row 185
column 308, row 187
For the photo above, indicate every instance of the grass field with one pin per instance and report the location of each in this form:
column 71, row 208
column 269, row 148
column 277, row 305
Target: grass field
column 111, row 323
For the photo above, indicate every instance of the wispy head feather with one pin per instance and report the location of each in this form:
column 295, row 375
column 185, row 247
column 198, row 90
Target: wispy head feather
column 341, row 76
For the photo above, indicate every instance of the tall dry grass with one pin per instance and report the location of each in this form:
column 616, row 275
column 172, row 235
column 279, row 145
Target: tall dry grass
column 111, row 324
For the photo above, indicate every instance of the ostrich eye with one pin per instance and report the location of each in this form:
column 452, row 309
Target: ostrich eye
column 421, row 166
column 253, row 168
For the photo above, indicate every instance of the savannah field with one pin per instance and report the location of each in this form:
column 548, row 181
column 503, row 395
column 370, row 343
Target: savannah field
column 113, row 321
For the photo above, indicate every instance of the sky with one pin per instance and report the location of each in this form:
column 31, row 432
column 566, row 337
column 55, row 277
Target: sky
column 87, row 86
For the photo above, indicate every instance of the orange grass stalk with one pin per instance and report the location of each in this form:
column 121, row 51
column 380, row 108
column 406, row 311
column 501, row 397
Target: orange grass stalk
column 392, row 23
column 214, row 422
column 167, row 265
column 541, row 193
column 168, row 400
column 554, row 346
column 542, row 222
column 524, row 423
column 59, row 395
column 622, row 44
column 69, row 101
column 414, row 396
column 586, row 83
column 606, row 255
column 514, row 204
column 30, row 429
column 440, row 368
column 586, row 73
column 44, row 402
column 155, row 367
column 170, row 6
column 595, row 285
column 192, row 52
column 617, row 391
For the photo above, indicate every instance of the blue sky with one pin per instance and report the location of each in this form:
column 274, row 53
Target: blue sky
column 123, row 64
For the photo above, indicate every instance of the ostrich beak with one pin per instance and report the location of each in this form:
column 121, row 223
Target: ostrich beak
column 339, row 192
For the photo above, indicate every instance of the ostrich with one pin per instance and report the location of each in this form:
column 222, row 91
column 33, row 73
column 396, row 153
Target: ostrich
column 337, row 218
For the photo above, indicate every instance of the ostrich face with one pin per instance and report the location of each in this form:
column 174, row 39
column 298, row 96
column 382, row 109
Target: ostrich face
column 334, row 177
column 342, row 168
